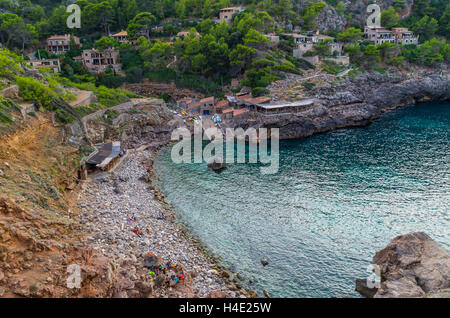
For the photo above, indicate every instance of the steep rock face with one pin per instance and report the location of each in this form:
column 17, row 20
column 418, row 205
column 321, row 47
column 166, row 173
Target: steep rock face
column 356, row 13
column 386, row 90
column 356, row 102
column 133, row 123
column 413, row 265
column 357, row 9
column 329, row 19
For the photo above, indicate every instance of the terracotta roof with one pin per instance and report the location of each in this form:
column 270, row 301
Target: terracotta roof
column 221, row 104
column 60, row 37
column 228, row 110
column 207, row 100
column 121, row 33
column 240, row 111
column 185, row 100
column 244, row 97
column 323, row 36
column 232, row 8
column 64, row 37
column 186, row 33
column 260, row 100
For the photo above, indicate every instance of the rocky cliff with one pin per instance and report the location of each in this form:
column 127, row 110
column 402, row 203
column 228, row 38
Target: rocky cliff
column 348, row 102
column 134, row 123
column 355, row 14
column 412, row 265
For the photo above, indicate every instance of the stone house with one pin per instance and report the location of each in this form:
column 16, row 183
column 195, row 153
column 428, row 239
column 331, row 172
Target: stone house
column 58, row 44
column 185, row 102
column 240, row 113
column 194, row 107
column 301, row 38
column 207, row 105
column 48, row 63
column 336, row 48
column 98, row 61
column 226, row 14
column 220, row 106
column 302, row 48
column 378, row 35
column 316, row 38
column 404, row 36
column 228, row 113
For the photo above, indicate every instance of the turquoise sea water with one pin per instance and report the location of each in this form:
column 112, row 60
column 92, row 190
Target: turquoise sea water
column 338, row 198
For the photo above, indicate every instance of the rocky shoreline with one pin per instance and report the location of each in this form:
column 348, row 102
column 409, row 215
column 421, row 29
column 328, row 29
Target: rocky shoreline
column 345, row 102
column 108, row 204
column 410, row 266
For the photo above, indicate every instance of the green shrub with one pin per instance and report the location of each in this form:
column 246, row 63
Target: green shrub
column 260, row 91
column 32, row 90
column 165, row 97
column 333, row 68
column 396, row 61
column 111, row 80
column 9, row 65
column 285, row 67
column 134, row 75
column 300, row 63
column 6, row 107
column 308, row 85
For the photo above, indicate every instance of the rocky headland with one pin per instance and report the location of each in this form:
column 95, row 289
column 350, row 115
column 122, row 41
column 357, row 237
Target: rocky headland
column 349, row 102
column 411, row 265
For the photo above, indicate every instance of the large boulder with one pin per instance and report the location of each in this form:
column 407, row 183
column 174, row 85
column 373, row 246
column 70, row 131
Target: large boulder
column 413, row 265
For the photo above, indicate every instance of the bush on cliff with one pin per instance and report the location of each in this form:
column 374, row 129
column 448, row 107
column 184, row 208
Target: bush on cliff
column 34, row 91
column 9, row 64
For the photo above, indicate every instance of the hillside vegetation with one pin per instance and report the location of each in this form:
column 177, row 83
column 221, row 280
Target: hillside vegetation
column 212, row 54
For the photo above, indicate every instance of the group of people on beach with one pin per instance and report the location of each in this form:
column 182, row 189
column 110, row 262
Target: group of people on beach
column 173, row 273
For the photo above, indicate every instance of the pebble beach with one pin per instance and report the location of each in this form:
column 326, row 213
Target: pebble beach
column 113, row 205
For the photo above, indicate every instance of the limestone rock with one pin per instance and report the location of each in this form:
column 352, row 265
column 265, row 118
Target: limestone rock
column 363, row 289
column 413, row 265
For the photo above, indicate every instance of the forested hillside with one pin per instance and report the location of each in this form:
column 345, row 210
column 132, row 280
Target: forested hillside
column 214, row 53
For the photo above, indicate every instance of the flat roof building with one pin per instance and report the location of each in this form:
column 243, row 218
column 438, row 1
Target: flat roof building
column 284, row 107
